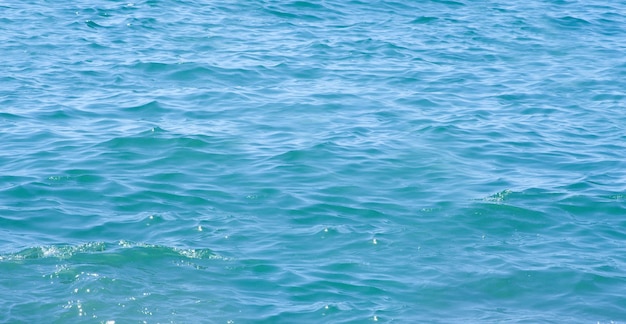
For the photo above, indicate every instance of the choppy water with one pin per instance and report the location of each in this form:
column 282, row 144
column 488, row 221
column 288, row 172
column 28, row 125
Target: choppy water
column 312, row 161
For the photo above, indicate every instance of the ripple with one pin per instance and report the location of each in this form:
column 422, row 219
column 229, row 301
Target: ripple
column 127, row 249
column 305, row 161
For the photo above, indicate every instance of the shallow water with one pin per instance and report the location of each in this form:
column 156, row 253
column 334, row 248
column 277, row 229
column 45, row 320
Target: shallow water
column 313, row 161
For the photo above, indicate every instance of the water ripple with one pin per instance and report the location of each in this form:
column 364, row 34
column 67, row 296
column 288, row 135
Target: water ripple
column 302, row 161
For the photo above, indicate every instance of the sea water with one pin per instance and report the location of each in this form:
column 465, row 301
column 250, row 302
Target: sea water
column 263, row 161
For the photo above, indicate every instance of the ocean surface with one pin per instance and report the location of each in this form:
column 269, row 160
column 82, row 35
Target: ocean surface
column 263, row 161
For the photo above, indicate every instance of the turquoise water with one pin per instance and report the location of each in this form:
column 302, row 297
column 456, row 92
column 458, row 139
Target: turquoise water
column 330, row 161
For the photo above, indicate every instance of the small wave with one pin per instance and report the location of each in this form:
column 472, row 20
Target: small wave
column 92, row 24
column 499, row 196
column 424, row 20
column 54, row 251
column 119, row 248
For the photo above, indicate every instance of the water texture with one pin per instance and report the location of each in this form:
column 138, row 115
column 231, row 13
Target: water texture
column 264, row 161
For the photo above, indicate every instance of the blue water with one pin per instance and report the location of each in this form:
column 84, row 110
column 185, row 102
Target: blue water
column 170, row 161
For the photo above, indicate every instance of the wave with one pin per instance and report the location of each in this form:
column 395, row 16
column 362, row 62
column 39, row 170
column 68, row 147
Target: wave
column 124, row 251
